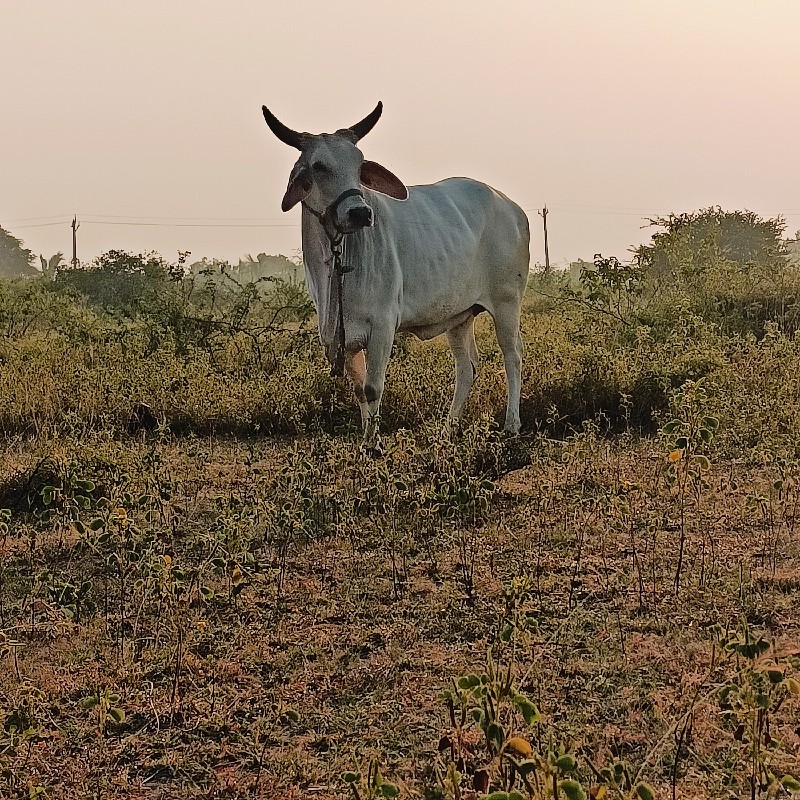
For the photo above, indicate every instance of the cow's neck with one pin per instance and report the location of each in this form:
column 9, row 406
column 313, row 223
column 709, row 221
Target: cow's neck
column 317, row 249
column 321, row 278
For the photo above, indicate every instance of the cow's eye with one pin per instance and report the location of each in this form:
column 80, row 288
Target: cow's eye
column 319, row 167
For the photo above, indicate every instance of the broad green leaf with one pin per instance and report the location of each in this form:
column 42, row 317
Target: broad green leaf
column 762, row 700
column 468, row 682
column 572, row 790
column 528, row 710
column 704, row 463
column 775, row 675
column 567, row 763
column 496, row 735
column 644, row 792
column 527, row 766
column 790, row 783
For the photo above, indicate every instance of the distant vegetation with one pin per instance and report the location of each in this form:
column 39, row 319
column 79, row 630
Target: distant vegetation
column 206, row 590
column 15, row 260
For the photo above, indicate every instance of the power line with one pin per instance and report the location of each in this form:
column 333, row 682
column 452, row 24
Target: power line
column 196, row 224
column 37, row 219
column 42, row 224
column 261, row 222
column 196, row 218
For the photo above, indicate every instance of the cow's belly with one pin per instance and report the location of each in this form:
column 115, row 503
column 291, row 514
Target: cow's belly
column 429, row 331
column 436, row 306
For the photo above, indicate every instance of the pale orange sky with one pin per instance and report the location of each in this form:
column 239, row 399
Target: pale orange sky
column 150, row 113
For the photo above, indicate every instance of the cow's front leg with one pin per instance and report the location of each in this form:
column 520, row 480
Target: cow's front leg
column 378, row 351
column 355, row 366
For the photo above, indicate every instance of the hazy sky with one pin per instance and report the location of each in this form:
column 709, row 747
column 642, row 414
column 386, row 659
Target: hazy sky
column 145, row 118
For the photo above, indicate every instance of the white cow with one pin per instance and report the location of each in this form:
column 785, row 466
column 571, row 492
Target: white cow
column 426, row 259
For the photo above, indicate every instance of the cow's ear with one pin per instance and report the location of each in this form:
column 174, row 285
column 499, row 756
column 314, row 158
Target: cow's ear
column 376, row 177
column 298, row 188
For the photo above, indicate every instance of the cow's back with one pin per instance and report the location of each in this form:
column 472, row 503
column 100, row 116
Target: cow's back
column 452, row 245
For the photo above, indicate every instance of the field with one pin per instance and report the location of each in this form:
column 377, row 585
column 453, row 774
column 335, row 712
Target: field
column 228, row 599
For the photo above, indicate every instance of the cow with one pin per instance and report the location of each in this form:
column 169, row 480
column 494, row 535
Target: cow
column 382, row 258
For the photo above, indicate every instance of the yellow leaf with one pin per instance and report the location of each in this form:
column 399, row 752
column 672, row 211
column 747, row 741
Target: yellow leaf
column 792, row 685
column 518, row 747
column 167, row 559
column 675, row 455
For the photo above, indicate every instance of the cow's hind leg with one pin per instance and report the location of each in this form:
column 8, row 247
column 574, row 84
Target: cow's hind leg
column 462, row 342
column 506, row 325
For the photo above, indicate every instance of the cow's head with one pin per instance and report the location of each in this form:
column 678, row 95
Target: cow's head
column 330, row 171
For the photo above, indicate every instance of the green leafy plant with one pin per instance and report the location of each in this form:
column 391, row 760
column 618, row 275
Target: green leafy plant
column 105, row 706
column 609, row 287
column 371, row 786
column 687, row 437
column 750, row 698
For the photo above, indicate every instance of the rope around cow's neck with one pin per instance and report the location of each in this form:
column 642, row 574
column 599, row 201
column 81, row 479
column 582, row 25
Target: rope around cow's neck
column 336, row 238
column 337, row 368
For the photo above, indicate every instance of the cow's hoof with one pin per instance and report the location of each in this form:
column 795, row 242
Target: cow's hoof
column 452, row 427
column 373, row 450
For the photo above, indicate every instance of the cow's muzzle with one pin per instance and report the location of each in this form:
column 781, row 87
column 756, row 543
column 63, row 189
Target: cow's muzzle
column 360, row 216
column 348, row 220
column 337, row 225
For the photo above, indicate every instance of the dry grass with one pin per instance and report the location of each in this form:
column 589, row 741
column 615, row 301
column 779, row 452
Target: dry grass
column 241, row 604
column 359, row 619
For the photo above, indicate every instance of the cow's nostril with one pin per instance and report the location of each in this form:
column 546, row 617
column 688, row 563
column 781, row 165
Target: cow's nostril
column 362, row 215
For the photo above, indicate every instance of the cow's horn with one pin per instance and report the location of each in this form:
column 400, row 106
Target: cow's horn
column 286, row 135
column 361, row 129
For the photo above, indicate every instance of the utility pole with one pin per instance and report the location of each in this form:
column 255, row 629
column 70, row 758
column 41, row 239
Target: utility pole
column 543, row 214
column 75, row 225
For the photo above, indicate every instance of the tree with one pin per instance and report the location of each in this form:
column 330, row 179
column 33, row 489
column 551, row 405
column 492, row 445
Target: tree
column 123, row 283
column 51, row 266
column 732, row 268
column 692, row 241
column 15, row 260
